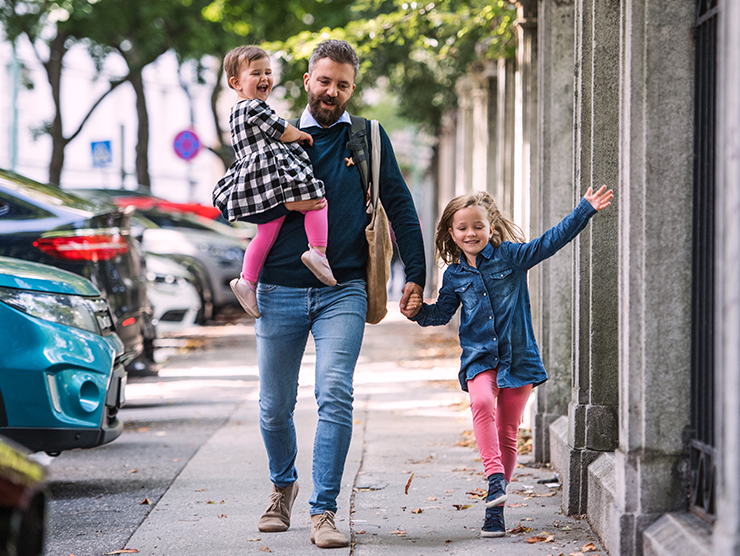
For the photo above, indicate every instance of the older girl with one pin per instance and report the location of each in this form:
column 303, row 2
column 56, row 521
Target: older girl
column 500, row 364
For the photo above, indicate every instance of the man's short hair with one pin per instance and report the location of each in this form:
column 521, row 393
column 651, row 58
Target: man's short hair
column 337, row 51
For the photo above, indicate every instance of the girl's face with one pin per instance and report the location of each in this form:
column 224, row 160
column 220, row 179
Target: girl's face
column 254, row 80
column 471, row 231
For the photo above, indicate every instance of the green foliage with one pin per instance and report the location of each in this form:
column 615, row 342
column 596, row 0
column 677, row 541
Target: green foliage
column 419, row 50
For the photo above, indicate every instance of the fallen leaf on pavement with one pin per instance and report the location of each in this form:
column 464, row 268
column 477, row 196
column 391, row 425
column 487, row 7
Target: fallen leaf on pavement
column 124, row 551
column 201, row 489
column 540, row 538
column 518, row 505
column 361, row 532
column 551, row 493
column 459, row 507
column 565, row 528
column 222, row 515
column 145, row 501
column 477, row 493
column 520, row 529
column 265, row 549
column 577, row 554
column 432, row 498
column 133, row 470
column 589, row 548
column 398, row 532
column 408, row 484
column 143, row 429
column 416, row 511
column 254, row 540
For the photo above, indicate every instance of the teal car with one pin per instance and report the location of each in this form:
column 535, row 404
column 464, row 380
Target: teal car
column 61, row 377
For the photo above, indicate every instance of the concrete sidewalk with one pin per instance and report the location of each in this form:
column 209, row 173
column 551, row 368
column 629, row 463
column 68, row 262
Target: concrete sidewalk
column 412, row 482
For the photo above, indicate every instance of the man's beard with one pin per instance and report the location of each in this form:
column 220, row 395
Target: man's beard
column 325, row 117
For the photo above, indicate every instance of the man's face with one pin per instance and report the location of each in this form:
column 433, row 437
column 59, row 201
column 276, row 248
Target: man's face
column 329, row 87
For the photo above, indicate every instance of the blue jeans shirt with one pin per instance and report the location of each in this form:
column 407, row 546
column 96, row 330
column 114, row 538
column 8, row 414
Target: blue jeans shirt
column 496, row 319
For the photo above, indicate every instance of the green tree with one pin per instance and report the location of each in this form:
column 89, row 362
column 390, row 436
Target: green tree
column 417, row 50
column 47, row 26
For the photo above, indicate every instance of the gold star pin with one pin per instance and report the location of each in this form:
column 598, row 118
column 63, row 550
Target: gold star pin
column 349, row 161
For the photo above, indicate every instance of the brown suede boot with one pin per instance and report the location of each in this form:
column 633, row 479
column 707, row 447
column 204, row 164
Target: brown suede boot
column 324, row 533
column 276, row 518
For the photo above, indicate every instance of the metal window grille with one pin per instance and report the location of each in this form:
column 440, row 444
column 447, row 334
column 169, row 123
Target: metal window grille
column 702, row 440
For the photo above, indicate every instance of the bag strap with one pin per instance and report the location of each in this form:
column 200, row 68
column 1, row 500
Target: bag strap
column 375, row 160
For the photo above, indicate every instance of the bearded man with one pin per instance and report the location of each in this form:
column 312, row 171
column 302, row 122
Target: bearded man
column 293, row 302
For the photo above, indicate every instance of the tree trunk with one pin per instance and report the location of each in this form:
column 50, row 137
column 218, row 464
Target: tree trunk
column 223, row 150
column 53, row 68
column 142, row 145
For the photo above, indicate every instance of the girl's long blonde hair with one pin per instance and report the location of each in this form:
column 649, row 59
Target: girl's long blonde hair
column 503, row 228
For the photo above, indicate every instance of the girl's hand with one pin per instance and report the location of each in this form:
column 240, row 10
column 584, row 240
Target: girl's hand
column 601, row 199
column 305, row 138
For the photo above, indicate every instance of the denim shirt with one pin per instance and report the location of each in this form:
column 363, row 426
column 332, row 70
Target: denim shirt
column 496, row 319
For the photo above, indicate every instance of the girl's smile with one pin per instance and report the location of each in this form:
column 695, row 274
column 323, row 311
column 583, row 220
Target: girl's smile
column 471, row 231
column 254, row 81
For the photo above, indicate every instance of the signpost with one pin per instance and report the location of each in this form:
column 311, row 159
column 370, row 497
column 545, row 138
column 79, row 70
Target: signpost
column 187, row 145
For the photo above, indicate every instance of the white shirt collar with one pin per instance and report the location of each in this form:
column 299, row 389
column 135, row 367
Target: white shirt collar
column 307, row 120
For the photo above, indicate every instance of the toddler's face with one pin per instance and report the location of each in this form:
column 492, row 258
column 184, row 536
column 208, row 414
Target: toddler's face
column 254, row 80
column 471, row 231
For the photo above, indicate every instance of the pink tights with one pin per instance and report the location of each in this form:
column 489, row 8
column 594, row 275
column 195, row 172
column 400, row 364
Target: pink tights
column 496, row 417
column 316, row 225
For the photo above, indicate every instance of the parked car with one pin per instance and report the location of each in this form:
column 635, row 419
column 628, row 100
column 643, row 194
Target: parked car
column 211, row 251
column 215, row 256
column 174, row 298
column 45, row 224
column 23, row 499
column 61, row 375
column 142, row 199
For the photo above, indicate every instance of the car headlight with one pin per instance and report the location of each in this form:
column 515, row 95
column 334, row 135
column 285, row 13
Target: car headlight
column 91, row 314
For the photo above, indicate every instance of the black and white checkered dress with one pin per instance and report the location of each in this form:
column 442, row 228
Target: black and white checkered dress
column 267, row 172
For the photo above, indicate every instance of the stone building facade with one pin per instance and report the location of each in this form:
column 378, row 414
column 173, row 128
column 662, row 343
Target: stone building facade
column 639, row 321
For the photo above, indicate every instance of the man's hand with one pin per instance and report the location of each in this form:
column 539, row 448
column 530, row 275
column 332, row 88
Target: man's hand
column 601, row 199
column 310, row 204
column 411, row 300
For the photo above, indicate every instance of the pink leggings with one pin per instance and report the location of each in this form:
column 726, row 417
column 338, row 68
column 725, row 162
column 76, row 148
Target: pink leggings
column 317, row 228
column 496, row 417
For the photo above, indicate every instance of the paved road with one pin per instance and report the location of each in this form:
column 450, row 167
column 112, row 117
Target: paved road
column 188, row 476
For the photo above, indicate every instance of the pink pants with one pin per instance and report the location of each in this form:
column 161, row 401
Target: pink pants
column 496, row 417
column 317, row 230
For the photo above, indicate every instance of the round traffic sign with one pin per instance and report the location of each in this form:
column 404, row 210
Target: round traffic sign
column 187, row 144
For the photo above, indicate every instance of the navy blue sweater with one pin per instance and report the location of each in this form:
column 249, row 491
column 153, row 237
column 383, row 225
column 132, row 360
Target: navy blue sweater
column 347, row 247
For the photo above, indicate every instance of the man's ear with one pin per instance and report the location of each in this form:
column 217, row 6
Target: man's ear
column 306, row 77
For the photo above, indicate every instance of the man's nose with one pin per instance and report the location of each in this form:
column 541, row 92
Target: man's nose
column 332, row 90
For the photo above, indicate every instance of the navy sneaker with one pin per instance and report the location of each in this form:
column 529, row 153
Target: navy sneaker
column 494, row 525
column 496, row 490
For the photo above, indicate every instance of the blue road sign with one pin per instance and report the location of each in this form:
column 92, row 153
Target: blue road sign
column 102, row 154
column 187, row 144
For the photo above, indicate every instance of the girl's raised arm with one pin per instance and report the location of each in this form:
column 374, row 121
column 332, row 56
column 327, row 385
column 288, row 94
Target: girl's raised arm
column 601, row 199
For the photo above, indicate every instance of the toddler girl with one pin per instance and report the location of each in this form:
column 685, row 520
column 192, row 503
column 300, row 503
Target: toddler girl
column 487, row 274
column 270, row 170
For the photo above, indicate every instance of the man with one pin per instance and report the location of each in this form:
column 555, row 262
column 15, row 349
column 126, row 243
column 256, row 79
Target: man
column 293, row 302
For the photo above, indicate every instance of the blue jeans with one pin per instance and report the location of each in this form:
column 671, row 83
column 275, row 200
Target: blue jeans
column 336, row 318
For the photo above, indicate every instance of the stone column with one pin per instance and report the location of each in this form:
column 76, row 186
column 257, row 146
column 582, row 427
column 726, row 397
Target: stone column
column 647, row 476
column 592, row 425
column 481, row 137
column 554, row 326
column 464, row 146
column 727, row 331
column 526, row 174
column 504, row 169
